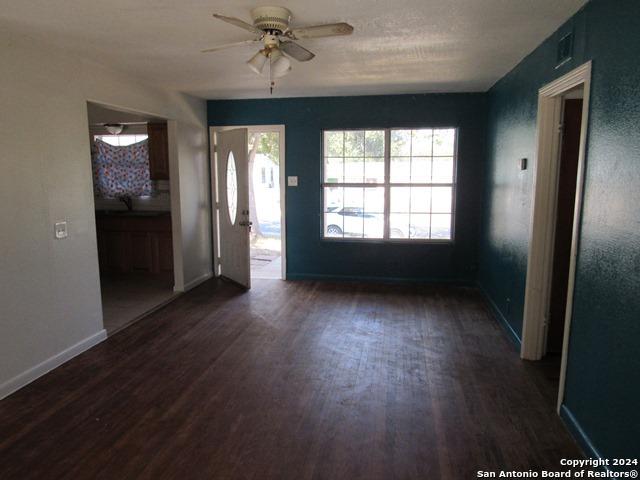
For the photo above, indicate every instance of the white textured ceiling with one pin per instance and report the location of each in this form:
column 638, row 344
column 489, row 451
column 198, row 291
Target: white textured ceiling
column 399, row 46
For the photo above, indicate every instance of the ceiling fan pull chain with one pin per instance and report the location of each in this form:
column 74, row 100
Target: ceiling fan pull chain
column 271, row 82
column 272, row 77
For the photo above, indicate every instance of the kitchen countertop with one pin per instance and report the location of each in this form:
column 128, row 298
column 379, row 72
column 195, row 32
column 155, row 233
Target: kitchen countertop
column 131, row 213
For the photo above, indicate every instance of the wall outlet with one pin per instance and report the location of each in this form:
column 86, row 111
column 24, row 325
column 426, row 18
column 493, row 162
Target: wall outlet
column 60, row 230
column 292, row 181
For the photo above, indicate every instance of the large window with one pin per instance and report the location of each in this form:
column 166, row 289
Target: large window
column 396, row 184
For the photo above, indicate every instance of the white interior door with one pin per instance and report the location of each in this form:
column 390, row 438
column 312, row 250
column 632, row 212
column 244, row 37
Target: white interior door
column 233, row 205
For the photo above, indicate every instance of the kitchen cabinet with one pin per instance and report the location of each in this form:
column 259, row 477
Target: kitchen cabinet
column 158, row 151
column 130, row 242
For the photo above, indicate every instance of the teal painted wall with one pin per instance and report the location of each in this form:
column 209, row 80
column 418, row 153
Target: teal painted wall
column 308, row 256
column 603, row 386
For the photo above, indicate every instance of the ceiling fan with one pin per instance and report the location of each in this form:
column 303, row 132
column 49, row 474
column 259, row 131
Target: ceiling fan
column 271, row 28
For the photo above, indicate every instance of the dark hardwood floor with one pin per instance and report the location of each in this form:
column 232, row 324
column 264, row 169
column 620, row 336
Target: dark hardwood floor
column 292, row 380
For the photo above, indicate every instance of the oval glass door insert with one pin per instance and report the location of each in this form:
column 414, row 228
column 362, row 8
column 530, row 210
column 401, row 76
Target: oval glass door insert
column 232, row 188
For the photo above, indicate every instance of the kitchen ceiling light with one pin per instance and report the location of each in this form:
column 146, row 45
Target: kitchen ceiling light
column 114, row 128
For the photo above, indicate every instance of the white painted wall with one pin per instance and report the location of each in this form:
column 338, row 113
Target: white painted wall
column 49, row 289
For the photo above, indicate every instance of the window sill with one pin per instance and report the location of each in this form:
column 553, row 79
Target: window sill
column 389, row 241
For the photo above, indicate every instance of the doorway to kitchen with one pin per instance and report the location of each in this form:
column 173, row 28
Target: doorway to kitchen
column 265, row 213
column 132, row 200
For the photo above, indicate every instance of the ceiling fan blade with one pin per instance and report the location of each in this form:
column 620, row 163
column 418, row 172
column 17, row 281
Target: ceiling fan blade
column 296, row 51
column 239, row 23
column 229, row 45
column 329, row 30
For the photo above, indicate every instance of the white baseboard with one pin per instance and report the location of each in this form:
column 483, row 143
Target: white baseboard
column 195, row 282
column 19, row 381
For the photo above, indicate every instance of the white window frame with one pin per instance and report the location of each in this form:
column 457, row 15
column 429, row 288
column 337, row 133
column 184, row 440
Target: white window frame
column 387, row 184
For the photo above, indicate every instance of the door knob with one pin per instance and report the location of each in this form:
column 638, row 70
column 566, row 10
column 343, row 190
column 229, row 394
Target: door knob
column 246, row 224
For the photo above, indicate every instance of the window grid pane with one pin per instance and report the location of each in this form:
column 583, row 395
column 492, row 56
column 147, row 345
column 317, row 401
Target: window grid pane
column 420, row 164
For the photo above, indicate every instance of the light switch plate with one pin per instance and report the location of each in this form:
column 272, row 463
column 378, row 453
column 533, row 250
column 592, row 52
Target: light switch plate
column 292, row 181
column 60, row 229
column 523, row 164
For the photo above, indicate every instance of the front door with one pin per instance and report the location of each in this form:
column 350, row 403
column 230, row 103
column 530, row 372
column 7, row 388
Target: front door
column 233, row 205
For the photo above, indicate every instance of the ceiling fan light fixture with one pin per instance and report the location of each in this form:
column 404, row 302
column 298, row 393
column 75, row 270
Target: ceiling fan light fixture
column 272, row 27
column 279, row 64
column 258, row 61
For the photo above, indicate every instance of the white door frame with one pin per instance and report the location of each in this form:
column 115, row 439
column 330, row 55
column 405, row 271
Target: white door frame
column 543, row 217
column 283, row 187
